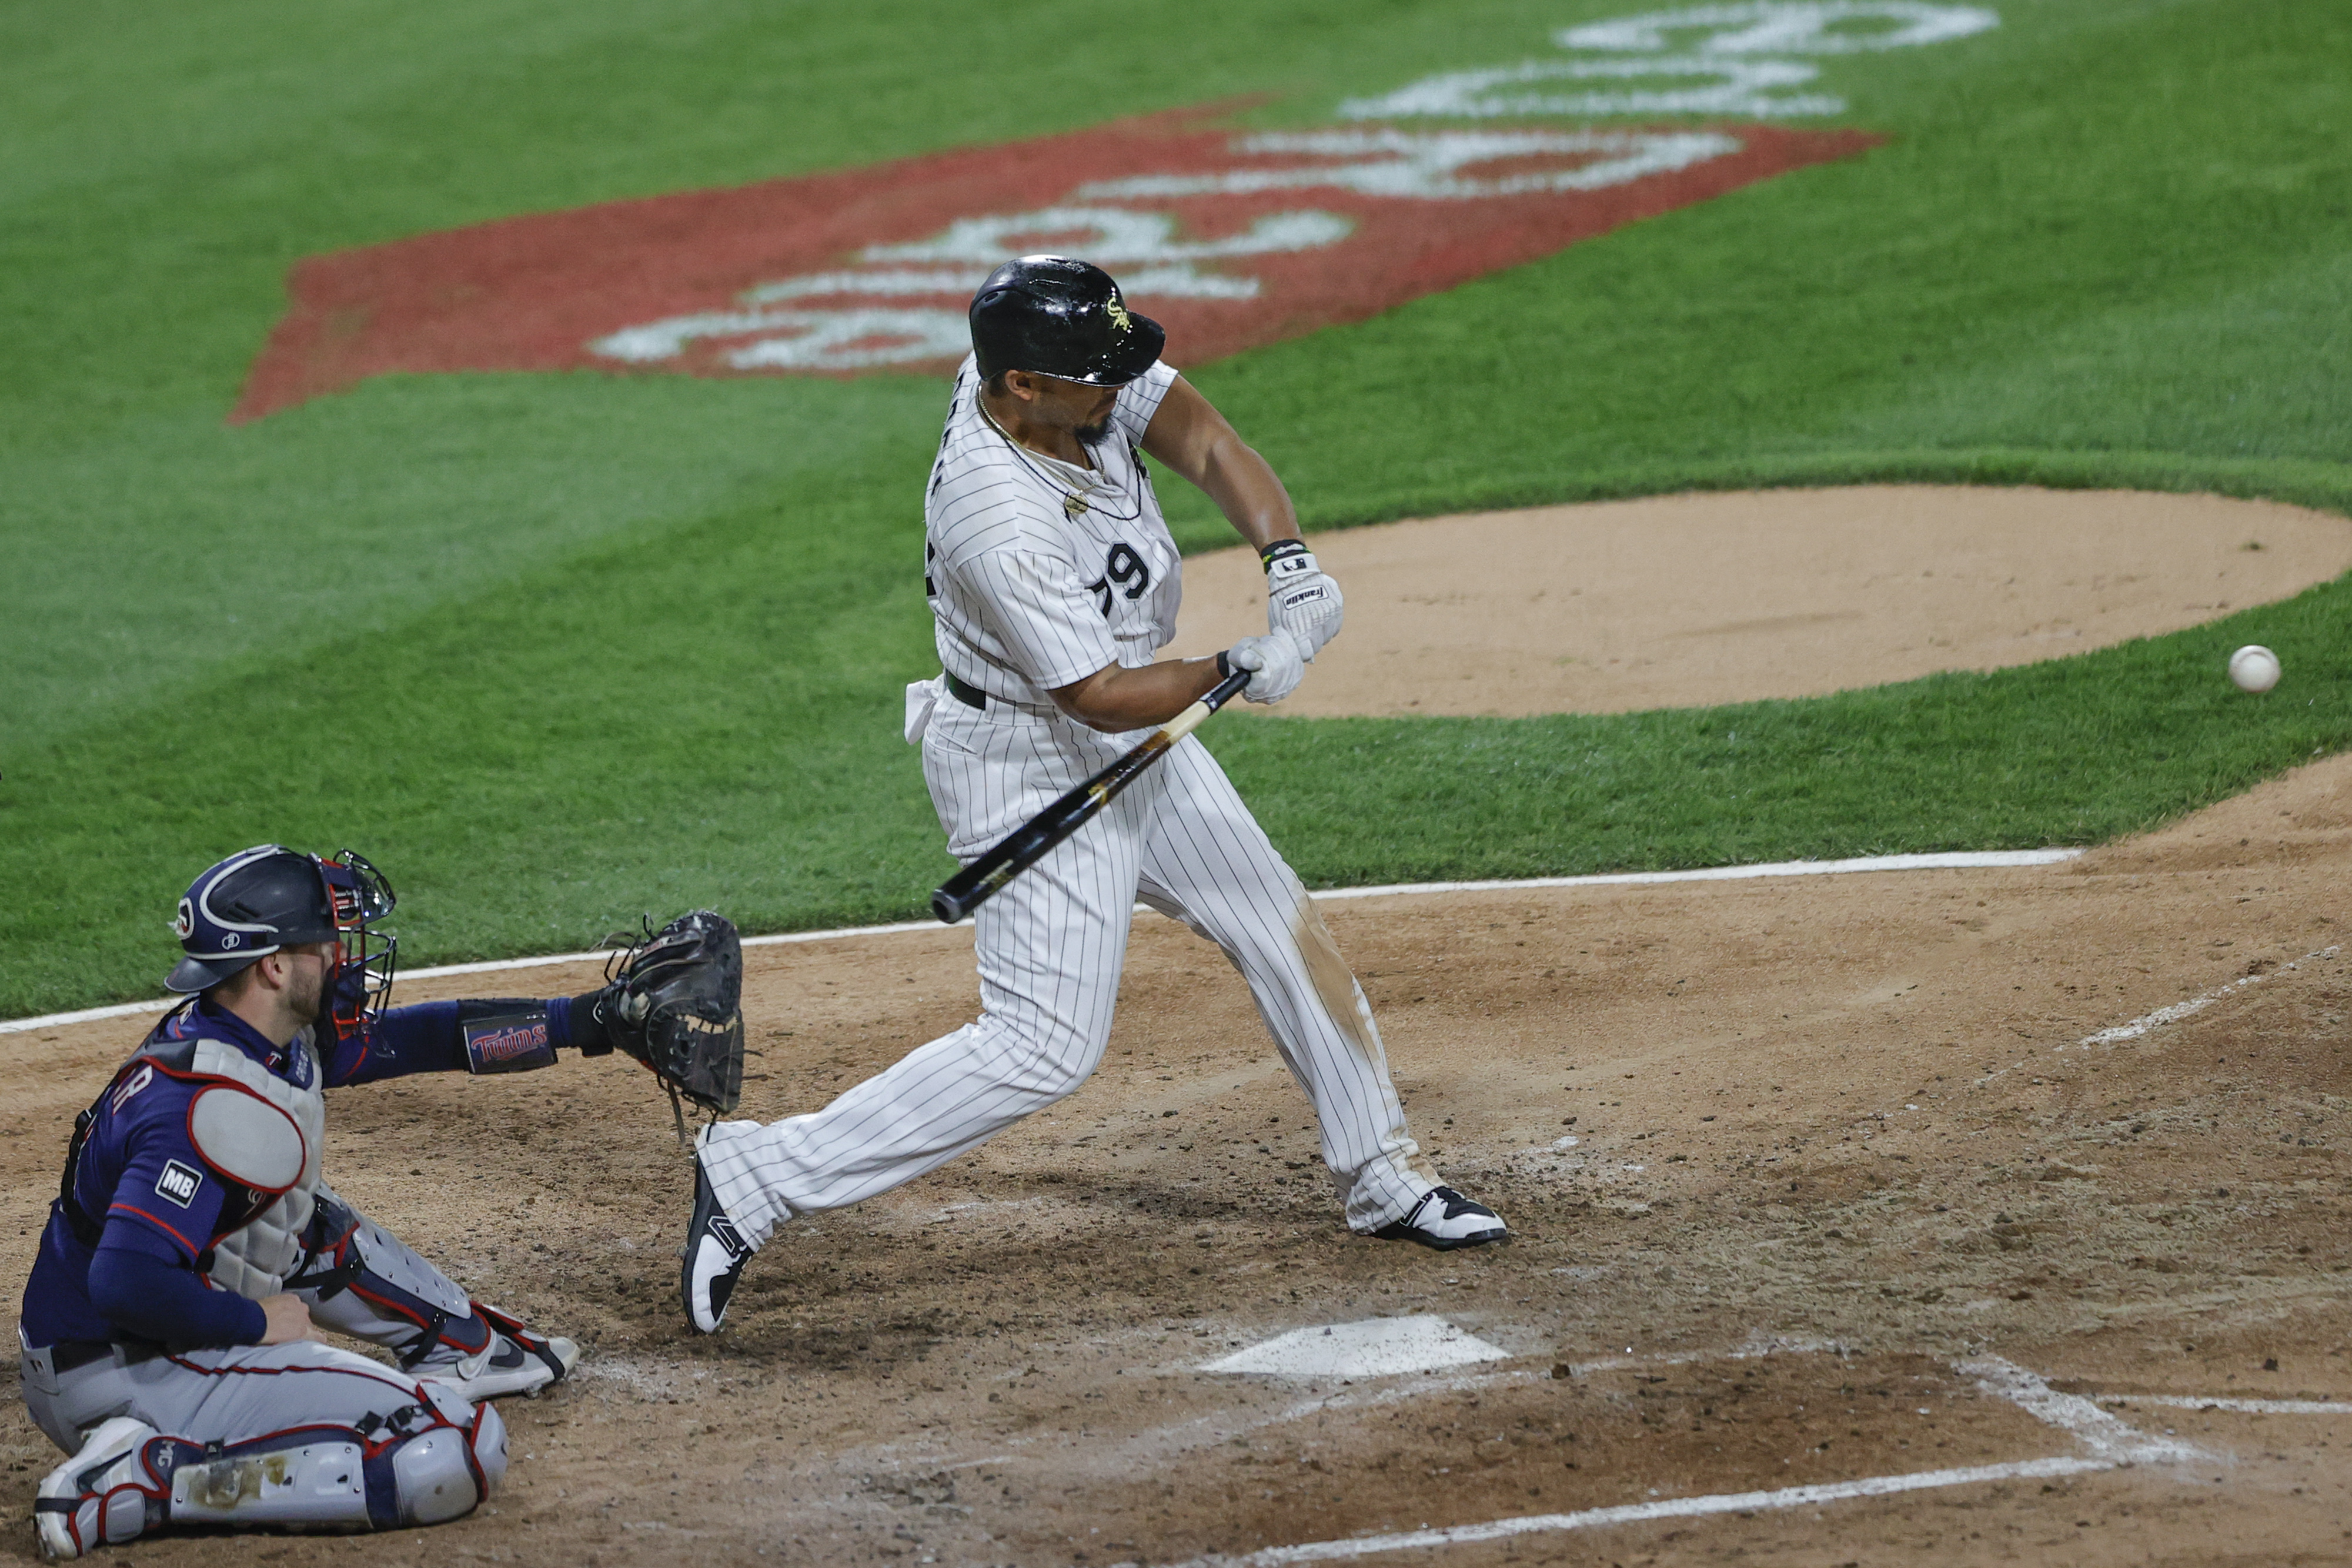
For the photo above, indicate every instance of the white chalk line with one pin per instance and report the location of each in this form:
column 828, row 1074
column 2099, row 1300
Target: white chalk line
column 1644, row 1512
column 1955, row 859
column 2236, row 1406
column 2155, row 1020
column 2196, row 1004
column 2111, row 1442
column 1968, row 860
column 2109, row 1438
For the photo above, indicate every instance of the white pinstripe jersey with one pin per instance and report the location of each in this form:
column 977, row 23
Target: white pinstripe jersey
column 1028, row 594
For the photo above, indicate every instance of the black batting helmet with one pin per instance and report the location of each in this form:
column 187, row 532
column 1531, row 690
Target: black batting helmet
column 1060, row 316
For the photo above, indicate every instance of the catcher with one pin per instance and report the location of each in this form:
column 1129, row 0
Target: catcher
column 170, row 1329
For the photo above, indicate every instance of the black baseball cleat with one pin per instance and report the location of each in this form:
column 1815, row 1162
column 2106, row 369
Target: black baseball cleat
column 1445, row 1219
column 714, row 1257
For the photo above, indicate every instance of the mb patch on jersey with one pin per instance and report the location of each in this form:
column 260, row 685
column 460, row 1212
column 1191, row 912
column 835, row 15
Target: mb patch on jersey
column 178, row 1184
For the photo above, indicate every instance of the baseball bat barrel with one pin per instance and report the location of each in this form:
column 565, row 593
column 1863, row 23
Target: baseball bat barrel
column 1027, row 844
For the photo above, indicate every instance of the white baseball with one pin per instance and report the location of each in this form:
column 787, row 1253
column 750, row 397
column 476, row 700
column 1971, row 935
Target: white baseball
column 2254, row 668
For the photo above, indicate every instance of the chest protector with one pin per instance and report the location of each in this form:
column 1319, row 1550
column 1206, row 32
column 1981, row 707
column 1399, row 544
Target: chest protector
column 264, row 1132
column 263, row 1135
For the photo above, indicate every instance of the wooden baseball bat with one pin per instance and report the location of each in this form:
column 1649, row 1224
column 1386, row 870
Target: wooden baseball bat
column 1025, row 845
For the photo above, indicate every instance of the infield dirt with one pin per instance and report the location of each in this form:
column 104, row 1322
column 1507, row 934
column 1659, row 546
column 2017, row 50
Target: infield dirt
column 1831, row 1135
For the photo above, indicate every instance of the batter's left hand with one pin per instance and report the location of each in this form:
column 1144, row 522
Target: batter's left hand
column 1300, row 596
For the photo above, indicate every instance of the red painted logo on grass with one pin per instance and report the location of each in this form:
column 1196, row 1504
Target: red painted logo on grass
column 1229, row 239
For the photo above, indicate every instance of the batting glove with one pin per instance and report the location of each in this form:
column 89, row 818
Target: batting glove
column 1300, row 596
column 1274, row 662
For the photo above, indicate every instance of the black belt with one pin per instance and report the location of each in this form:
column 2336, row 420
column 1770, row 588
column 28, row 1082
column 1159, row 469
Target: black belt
column 68, row 1354
column 965, row 691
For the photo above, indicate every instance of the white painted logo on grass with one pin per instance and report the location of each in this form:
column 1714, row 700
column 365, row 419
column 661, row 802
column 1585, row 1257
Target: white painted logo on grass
column 1377, row 1347
column 1431, row 166
column 1786, row 28
column 837, row 321
column 1701, row 59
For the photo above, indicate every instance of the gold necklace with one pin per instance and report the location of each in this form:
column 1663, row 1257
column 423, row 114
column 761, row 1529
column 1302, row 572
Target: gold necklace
column 1074, row 505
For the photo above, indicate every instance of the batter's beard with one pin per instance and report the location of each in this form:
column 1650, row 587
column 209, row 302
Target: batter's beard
column 1092, row 435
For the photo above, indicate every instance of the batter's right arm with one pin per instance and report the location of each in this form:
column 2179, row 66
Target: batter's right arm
column 1114, row 700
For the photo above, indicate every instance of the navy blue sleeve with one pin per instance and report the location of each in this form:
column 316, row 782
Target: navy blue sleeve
column 166, row 1201
column 165, row 1302
column 430, row 1037
column 402, row 1040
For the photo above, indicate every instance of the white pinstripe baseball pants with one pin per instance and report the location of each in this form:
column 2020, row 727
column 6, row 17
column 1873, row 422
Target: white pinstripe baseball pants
column 1051, row 945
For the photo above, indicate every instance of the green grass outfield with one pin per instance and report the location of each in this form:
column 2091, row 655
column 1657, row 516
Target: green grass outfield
column 556, row 650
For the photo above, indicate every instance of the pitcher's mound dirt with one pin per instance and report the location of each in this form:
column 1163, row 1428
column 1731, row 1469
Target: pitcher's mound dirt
column 1684, row 600
column 1832, row 1136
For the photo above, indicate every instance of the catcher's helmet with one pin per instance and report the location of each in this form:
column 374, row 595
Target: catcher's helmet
column 1060, row 316
column 268, row 897
column 254, row 903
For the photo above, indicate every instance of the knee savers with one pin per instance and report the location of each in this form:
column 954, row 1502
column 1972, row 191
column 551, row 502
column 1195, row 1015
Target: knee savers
column 321, row 1483
column 444, row 1473
column 337, row 1480
column 428, row 1476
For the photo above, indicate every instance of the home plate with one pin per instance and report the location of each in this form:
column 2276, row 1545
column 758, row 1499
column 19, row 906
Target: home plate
column 1378, row 1347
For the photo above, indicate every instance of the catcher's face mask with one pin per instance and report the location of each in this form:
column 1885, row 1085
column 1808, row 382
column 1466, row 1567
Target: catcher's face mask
column 364, row 956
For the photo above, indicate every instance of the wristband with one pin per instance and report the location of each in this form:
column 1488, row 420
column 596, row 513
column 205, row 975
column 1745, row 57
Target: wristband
column 585, row 1025
column 1224, row 667
column 516, row 1042
column 1281, row 550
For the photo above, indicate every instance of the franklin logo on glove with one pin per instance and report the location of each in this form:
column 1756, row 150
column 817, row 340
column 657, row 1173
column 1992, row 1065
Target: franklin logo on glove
column 1301, row 597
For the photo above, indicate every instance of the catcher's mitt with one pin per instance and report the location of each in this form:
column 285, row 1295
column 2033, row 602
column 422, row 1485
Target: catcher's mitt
column 674, row 1001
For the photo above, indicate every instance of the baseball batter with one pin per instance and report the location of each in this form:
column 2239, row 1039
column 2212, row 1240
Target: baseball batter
column 169, row 1328
column 1055, row 582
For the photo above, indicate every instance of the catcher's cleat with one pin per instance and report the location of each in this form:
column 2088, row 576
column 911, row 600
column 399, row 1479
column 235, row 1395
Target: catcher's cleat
column 516, row 1361
column 104, row 1494
column 714, row 1257
column 1445, row 1219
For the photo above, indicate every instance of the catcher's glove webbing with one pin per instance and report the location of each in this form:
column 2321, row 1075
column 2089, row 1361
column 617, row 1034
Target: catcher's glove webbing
column 675, row 1002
